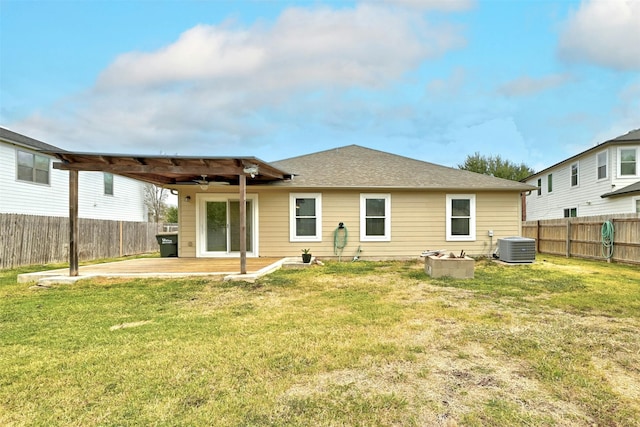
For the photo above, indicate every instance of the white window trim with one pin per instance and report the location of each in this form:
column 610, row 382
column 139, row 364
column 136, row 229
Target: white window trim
column 634, row 201
column 292, row 217
column 363, row 217
column 472, row 219
column 620, row 162
column 577, row 165
column 549, row 176
column 606, row 165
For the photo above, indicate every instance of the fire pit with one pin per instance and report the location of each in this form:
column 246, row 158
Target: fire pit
column 449, row 266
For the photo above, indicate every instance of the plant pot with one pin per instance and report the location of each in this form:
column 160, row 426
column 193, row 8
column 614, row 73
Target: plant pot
column 306, row 258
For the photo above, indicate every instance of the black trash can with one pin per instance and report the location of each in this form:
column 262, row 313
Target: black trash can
column 168, row 244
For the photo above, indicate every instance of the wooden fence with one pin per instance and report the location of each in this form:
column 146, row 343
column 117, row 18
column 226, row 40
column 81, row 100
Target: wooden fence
column 582, row 237
column 30, row 239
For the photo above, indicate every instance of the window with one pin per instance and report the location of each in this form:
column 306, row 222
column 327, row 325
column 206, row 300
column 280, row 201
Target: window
column 602, row 161
column 375, row 217
column 571, row 213
column 637, row 203
column 574, row 175
column 305, row 217
column 539, row 186
column 550, row 183
column 33, row 167
column 461, row 217
column 108, row 184
column 628, row 161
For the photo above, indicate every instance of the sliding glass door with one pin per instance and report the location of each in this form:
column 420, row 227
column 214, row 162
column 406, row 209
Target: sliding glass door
column 219, row 225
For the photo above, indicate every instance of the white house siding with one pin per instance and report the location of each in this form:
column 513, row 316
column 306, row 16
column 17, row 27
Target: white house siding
column 585, row 197
column 127, row 203
column 27, row 197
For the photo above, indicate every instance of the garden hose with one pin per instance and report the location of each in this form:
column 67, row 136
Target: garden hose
column 340, row 236
column 607, row 239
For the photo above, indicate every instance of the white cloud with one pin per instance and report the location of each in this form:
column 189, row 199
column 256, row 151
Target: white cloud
column 365, row 46
column 603, row 32
column 221, row 86
column 626, row 113
column 524, row 86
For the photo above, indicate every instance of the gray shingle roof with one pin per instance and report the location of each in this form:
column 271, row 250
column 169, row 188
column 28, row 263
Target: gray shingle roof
column 629, row 189
column 12, row 137
column 633, row 135
column 354, row 166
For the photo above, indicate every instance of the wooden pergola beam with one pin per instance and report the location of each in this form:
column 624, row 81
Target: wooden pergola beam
column 73, row 223
column 150, row 169
column 164, row 170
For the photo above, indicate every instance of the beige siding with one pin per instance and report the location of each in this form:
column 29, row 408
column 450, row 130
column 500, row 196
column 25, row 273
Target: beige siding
column 417, row 224
column 187, row 223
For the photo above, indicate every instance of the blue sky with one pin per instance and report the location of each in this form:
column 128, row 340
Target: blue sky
column 532, row 81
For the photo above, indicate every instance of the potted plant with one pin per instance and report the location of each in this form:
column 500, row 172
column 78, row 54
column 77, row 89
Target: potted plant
column 306, row 256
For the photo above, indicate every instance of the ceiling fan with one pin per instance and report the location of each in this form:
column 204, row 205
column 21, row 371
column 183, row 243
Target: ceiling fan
column 203, row 183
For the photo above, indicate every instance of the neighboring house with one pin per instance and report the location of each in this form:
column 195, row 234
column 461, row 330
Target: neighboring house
column 391, row 207
column 30, row 185
column 602, row 180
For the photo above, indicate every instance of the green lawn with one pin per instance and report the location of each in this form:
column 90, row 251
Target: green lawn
column 365, row 344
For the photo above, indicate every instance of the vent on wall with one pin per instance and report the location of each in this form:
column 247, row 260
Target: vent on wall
column 517, row 249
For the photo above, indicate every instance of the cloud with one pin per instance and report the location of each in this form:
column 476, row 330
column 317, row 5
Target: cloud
column 603, row 32
column 525, row 86
column 366, row 46
column 235, row 86
column 626, row 113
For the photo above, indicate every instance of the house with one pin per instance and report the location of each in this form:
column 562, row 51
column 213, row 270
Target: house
column 30, row 185
column 341, row 202
column 602, row 180
column 389, row 207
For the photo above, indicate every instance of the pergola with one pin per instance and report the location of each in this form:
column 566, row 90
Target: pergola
column 166, row 171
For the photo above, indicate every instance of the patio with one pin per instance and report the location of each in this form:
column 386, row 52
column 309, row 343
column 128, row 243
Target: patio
column 227, row 268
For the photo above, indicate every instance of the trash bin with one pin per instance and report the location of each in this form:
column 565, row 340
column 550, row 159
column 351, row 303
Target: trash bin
column 168, row 244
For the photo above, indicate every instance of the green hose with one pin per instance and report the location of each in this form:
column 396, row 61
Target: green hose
column 607, row 239
column 340, row 236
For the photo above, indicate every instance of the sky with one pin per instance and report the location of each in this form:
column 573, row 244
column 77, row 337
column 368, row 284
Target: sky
column 533, row 81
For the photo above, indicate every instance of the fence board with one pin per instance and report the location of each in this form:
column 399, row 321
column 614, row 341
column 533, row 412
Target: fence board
column 581, row 237
column 31, row 239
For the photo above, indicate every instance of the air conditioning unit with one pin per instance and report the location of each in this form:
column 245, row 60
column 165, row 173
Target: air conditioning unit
column 517, row 249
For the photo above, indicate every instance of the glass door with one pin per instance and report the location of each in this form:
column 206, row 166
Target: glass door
column 220, row 227
column 216, row 227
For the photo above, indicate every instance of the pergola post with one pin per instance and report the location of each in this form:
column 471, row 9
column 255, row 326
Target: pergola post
column 243, row 222
column 73, row 223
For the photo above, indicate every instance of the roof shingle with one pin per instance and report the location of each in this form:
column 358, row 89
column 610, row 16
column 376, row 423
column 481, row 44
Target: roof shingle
column 354, row 166
column 19, row 139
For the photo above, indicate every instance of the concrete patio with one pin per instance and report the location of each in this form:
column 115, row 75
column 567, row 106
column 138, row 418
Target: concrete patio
column 226, row 268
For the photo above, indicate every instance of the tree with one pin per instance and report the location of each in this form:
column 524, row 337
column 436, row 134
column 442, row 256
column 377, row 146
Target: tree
column 171, row 214
column 155, row 200
column 496, row 166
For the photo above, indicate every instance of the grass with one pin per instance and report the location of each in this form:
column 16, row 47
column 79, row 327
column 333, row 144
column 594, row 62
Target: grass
column 363, row 344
